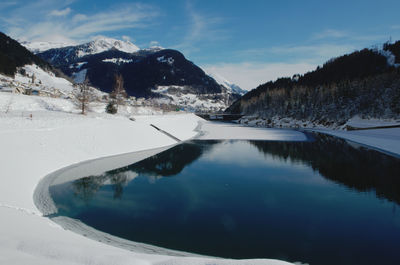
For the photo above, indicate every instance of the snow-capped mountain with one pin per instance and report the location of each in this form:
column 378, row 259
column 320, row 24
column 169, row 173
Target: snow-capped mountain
column 104, row 44
column 143, row 72
column 41, row 46
column 231, row 87
column 68, row 54
column 98, row 45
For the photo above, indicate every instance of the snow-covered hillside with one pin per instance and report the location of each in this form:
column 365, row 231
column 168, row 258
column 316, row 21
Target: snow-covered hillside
column 49, row 92
column 31, row 79
column 34, row 78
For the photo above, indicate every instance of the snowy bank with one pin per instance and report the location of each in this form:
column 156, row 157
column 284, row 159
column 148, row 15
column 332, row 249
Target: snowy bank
column 373, row 133
column 384, row 140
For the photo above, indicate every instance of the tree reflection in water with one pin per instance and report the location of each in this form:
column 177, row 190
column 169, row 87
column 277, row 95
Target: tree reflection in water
column 345, row 163
column 165, row 164
column 348, row 164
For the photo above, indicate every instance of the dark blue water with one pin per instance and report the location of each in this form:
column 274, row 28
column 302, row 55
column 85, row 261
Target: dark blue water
column 320, row 202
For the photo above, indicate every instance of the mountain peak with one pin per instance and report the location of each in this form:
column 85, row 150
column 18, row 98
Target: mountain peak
column 98, row 45
column 41, row 46
column 102, row 44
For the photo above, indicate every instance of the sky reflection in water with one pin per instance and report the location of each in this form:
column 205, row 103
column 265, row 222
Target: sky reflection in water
column 321, row 202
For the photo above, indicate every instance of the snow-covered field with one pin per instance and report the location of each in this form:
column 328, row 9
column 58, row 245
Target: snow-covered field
column 55, row 137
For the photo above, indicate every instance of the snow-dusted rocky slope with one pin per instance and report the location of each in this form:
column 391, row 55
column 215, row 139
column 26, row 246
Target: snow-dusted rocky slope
column 98, row 45
column 231, row 87
column 41, row 46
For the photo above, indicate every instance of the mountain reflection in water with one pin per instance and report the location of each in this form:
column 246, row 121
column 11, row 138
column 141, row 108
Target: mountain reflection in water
column 351, row 165
column 324, row 201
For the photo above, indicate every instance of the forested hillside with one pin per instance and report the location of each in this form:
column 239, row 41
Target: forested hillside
column 13, row 55
column 365, row 83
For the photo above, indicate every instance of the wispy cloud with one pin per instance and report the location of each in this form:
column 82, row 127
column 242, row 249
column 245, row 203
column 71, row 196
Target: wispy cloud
column 60, row 13
column 56, row 21
column 249, row 75
column 346, row 35
column 6, row 4
column 201, row 29
column 331, row 34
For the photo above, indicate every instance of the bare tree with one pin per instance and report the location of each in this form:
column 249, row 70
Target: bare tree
column 118, row 95
column 84, row 95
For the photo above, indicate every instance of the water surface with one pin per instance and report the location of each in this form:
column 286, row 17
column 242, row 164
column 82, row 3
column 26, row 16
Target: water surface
column 320, row 202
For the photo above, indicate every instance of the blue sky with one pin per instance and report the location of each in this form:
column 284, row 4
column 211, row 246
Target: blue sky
column 248, row 42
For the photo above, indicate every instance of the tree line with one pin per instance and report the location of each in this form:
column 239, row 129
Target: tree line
column 360, row 83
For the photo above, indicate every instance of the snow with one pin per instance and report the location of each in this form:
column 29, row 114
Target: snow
column 231, row 87
column 390, row 58
column 383, row 140
column 53, row 138
column 118, row 61
column 168, row 60
column 41, row 46
column 218, row 131
column 386, row 140
column 102, row 44
column 80, row 76
column 78, row 65
column 358, row 122
column 43, row 135
column 189, row 101
column 44, row 79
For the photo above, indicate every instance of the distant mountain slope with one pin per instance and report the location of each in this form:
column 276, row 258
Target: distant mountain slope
column 13, row 55
column 149, row 73
column 365, row 83
column 142, row 71
column 233, row 88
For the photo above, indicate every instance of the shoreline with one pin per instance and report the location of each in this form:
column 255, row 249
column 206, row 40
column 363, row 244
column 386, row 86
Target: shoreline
column 45, row 204
column 28, row 236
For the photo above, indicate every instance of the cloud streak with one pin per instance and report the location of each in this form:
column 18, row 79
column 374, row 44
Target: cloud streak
column 60, row 13
column 331, row 34
column 202, row 29
column 63, row 24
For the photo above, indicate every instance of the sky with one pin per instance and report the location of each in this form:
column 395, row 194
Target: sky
column 249, row 42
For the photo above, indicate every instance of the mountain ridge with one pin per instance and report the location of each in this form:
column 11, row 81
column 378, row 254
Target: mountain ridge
column 143, row 71
column 364, row 83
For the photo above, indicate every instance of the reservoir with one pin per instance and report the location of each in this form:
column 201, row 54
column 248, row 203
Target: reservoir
column 324, row 201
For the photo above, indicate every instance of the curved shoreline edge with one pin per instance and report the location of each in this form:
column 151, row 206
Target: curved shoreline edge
column 46, row 206
column 45, row 203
